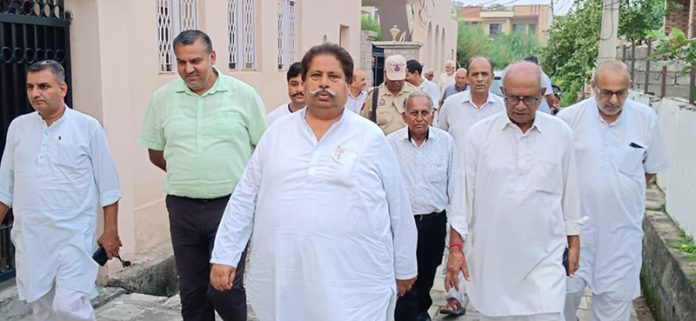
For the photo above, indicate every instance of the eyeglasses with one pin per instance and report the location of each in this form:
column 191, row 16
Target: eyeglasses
column 527, row 100
column 605, row 93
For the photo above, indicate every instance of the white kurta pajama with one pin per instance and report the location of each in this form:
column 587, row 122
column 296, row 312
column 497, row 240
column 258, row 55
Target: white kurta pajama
column 332, row 226
column 613, row 159
column 522, row 202
column 54, row 178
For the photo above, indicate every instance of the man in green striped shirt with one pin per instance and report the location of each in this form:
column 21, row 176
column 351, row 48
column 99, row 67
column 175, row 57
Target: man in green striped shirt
column 201, row 130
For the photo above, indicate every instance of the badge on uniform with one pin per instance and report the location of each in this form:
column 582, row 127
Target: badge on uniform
column 382, row 102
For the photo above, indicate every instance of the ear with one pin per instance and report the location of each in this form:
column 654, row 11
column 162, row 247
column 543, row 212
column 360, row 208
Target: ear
column 403, row 116
column 213, row 56
column 63, row 89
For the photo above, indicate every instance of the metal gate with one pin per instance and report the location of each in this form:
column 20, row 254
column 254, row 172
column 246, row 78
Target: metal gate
column 30, row 31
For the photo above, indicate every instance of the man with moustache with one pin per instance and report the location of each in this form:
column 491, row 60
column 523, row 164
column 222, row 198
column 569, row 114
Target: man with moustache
column 427, row 160
column 295, row 92
column 55, row 169
column 331, row 226
column 357, row 92
column 390, row 96
column 460, row 84
column 619, row 149
column 522, row 208
column 201, row 130
column 464, row 109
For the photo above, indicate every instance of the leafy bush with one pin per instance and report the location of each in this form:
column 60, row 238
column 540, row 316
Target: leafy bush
column 502, row 49
column 370, row 24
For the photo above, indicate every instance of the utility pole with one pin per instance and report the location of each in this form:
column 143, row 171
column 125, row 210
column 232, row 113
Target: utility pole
column 608, row 32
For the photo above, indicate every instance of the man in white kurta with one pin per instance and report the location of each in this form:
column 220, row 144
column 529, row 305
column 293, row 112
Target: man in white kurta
column 522, row 204
column 618, row 144
column 333, row 233
column 295, row 93
column 55, row 169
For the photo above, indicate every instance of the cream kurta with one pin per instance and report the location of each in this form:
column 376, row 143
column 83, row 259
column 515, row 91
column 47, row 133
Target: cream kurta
column 52, row 178
column 522, row 201
column 332, row 226
column 613, row 160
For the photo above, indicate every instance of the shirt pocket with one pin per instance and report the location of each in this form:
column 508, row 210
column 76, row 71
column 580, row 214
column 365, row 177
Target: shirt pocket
column 630, row 161
column 68, row 154
column 384, row 115
column 339, row 165
column 549, row 177
column 226, row 125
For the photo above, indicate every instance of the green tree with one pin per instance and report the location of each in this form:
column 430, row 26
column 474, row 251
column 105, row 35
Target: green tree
column 502, row 49
column 571, row 51
column 638, row 17
column 370, row 24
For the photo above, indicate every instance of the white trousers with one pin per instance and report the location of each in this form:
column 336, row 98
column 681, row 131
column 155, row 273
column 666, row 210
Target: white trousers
column 535, row 317
column 604, row 308
column 61, row 304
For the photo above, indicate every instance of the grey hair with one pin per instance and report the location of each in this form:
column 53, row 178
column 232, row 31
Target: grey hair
column 52, row 65
column 461, row 70
column 189, row 37
column 614, row 65
column 537, row 71
column 468, row 65
column 416, row 94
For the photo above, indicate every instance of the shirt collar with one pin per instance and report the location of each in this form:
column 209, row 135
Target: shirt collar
column 408, row 135
column 217, row 86
column 618, row 120
column 467, row 98
column 504, row 121
column 66, row 114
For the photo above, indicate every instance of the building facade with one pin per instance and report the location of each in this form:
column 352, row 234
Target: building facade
column 533, row 19
column 121, row 53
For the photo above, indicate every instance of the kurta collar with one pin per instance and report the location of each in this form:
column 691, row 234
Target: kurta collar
column 303, row 113
column 217, row 86
column 467, row 98
column 504, row 121
column 66, row 114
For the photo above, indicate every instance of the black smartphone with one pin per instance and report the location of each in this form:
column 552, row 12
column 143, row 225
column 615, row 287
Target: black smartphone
column 100, row 256
column 565, row 261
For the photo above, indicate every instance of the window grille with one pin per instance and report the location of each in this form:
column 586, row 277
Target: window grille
column 173, row 17
column 287, row 33
column 242, row 30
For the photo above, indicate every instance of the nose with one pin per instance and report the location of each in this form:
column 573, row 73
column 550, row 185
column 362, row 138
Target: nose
column 33, row 92
column 189, row 68
column 614, row 99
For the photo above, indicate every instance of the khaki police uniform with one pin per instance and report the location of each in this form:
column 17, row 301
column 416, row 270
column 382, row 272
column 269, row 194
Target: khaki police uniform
column 389, row 107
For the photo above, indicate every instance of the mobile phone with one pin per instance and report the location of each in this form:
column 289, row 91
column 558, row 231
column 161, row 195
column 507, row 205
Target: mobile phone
column 565, row 261
column 100, row 256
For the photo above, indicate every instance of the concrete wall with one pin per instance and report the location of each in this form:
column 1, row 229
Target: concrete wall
column 677, row 84
column 115, row 71
column 436, row 29
column 678, row 122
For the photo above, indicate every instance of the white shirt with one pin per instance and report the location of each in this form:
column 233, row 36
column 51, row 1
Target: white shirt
column 445, row 80
column 278, row 112
column 522, row 202
column 432, row 90
column 546, row 83
column 459, row 113
column 354, row 104
column 613, row 159
column 52, row 178
column 332, row 226
column 430, row 170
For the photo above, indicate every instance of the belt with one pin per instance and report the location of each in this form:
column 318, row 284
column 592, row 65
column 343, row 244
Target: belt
column 200, row 200
column 423, row 217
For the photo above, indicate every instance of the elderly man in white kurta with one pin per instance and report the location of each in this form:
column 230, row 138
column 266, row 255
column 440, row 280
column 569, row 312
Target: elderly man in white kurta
column 333, row 233
column 522, row 205
column 619, row 147
column 55, row 169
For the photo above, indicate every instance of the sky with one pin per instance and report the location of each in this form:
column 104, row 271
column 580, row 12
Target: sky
column 560, row 6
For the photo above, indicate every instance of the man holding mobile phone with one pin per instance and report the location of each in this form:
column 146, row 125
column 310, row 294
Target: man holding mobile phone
column 55, row 169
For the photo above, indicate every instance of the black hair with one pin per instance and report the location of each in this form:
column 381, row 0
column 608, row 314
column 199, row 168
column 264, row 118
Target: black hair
column 51, row 65
column 189, row 37
column 335, row 50
column 413, row 65
column 294, row 70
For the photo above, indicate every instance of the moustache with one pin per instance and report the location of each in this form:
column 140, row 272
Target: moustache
column 298, row 93
column 322, row 91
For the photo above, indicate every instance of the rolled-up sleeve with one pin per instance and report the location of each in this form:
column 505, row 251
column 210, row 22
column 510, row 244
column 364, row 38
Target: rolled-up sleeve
column 105, row 174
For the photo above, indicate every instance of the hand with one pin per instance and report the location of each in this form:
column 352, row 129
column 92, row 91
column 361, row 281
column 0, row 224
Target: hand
column 455, row 263
column 111, row 242
column 573, row 260
column 221, row 276
column 404, row 285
